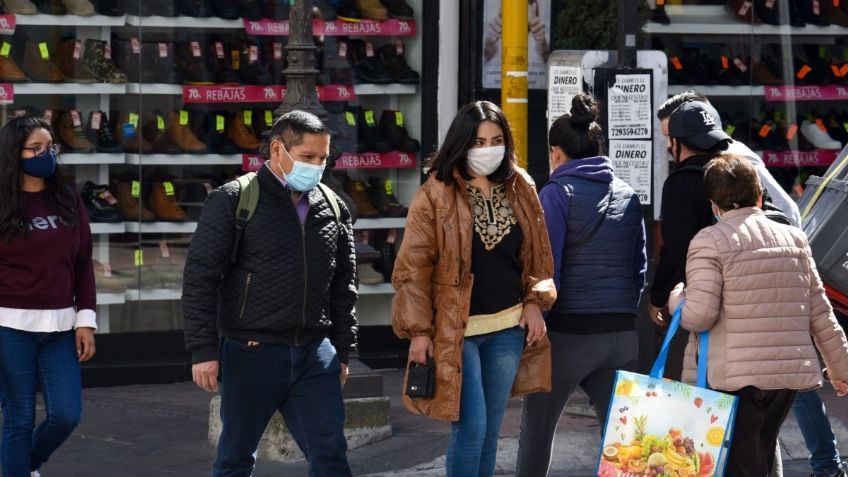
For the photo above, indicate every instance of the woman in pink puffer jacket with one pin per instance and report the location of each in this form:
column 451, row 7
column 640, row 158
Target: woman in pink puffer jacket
column 752, row 283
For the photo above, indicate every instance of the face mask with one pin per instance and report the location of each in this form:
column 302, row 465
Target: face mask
column 485, row 160
column 304, row 177
column 43, row 166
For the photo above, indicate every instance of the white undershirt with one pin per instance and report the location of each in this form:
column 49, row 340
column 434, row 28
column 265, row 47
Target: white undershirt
column 47, row 321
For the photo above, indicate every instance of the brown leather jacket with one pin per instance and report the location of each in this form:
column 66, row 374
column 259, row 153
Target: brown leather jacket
column 432, row 278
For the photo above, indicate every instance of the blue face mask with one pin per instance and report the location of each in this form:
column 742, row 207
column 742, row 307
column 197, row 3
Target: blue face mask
column 43, row 166
column 304, row 177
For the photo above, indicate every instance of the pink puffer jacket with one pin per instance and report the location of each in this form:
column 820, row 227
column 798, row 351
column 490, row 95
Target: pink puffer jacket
column 753, row 283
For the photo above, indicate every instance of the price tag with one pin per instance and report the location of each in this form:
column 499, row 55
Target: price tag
column 160, row 122
column 254, row 53
column 45, row 53
column 108, row 197
column 219, row 123
column 369, row 49
column 845, row 126
column 208, row 187
column 803, row 71
column 730, row 129
column 389, row 188
column 163, row 50
column 770, row 3
column 278, row 50
column 351, row 119
column 778, row 115
column 740, row 64
column 835, row 3
column 107, row 51
column 342, row 48
column 139, row 258
column 77, row 49
column 107, row 270
column 75, row 117
column 822, row 51
column 725, row 62
column 219, row 50
column 269, row 118
column 169, row 187
column 844, row 70
column 183, row 117
column 821, row 125
column 399, row 118
column 399, row 47
column 5, row 49
column 236, row 56
column 675, row 62
column 133, row 118
column 790, row 133
column 743, row 9
column 816, row 7
column 96, row 117
column 136, row 45
column 164, row 250
column 765, row 130
column 48, row 115
column 135, row 190
column 195, row 49
column 836, row 71
column 248, row 117
column 369, row 117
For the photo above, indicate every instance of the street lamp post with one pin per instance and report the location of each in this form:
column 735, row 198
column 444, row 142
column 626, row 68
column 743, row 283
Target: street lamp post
column 300, row 72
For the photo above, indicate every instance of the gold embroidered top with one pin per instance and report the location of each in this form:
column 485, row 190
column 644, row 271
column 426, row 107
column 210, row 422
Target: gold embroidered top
column 494, row 217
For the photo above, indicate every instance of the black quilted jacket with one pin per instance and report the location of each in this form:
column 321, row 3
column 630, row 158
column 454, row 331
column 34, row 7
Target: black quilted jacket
column 290, row 285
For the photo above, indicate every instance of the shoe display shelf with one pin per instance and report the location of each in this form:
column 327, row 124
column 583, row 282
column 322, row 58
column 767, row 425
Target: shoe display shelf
column 716, row 20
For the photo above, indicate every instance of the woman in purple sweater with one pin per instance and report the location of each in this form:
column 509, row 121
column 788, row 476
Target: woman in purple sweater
column 47, row 296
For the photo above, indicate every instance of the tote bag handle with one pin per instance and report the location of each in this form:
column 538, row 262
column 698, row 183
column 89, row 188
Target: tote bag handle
column 703, row 348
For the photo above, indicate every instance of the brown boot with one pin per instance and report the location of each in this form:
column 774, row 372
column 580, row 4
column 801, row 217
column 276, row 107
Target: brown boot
column 133, row 143
column 37, row 64
column 357, row 191
column 163, row 201
column 72, row 134
column 180, row 132
column 68, row 60
column 372, row 9
column 242, row 134
column 130, row 205
column 9, row 70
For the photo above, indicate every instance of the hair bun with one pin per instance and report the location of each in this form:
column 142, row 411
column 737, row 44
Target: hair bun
column 584, row 111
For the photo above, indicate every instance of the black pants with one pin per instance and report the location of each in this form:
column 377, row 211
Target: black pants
column 758, row 419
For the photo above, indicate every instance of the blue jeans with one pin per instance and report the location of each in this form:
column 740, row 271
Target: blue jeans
column 811, row 415
column 489, row 364
column 302, row 383
column 48, row 360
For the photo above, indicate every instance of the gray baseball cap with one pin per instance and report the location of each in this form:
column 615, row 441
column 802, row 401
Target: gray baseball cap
column 698, row 123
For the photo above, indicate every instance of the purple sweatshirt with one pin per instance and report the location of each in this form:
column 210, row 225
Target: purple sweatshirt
column 554, row 199
column 49, row 267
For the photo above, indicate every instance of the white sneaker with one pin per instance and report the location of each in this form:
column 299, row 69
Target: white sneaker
column 818, row 138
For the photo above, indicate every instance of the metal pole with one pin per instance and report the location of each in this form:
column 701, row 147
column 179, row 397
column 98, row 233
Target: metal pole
column 301, row 72
column 514, row 73
column 627, row 25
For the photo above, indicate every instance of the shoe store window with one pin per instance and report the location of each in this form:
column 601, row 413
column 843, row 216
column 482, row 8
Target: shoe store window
column 157, row 102
column 776, row 70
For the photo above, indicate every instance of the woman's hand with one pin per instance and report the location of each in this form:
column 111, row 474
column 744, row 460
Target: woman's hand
column 840, row 386
column 85, row 344
column 420, row 348
column 532, row 321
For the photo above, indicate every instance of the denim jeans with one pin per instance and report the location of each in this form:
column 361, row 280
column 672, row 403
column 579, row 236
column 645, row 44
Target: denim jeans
column 811, row 415
column 589, row 361
column 489, row 364
column 48, row 360
column 302, row 383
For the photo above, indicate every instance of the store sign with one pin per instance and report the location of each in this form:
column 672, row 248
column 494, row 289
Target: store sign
column 632, row 162
column 259, row 94
column 564, row 83
column 806, row 93
column 7, row 93
column 251, row 162
column 373, row 160
column 391, row 27
column 818, row 157
column 629, row 111
column 7, row 24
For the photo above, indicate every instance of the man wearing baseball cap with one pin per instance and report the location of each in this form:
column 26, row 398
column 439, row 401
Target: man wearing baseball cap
column 694, row 138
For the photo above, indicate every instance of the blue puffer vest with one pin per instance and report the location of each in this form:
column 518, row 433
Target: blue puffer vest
column 602, row 277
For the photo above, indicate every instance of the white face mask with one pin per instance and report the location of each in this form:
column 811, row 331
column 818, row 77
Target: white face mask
column 485, row 160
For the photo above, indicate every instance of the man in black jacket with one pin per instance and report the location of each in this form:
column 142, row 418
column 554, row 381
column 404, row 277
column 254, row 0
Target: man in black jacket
column 277, row 312
column 694, row 137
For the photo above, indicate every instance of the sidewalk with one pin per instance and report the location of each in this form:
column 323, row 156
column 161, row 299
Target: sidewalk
column 160, row 430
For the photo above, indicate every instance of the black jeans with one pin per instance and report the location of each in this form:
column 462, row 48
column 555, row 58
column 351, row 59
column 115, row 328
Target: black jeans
column 759, row 416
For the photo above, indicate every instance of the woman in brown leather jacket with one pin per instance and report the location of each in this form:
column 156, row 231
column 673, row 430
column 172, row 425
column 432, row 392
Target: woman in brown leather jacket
column 472, row 276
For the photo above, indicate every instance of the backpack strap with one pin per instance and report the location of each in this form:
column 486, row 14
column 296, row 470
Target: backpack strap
column 332, row 199
column 248, row 200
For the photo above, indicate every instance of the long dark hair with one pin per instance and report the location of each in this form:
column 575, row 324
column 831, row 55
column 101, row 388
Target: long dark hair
column 460, row 138
column 60, row 193
column 577, row 133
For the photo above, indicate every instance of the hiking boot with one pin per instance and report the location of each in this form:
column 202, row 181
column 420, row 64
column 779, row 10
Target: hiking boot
column 50, row 7
column 370, row 138
column 367, row 67
column 191, row 63
column 100, row 203
column 9, row 70
column 20, row 7
column 372, row 9
column 163, row 203
column 219, row 64
column 251, row 70
column 127, row 56
column 399, row 9
column 215, row 133
column 277, row 9
column 71, row 133
column 194, row 8
column 275, row 59
column 97, row 57
column 129, row 204
column 356, row 190
column 160, row 58
column 347, row 11
column 241, row 134
column 381, row 193
column 336, row 62
column 99, row 132
column 155, row 131
column 180, row 132
column 392, row 55
column 393, row 127
column 226, row 9
column 82, row 8
column 342, row 126
column 37, row 64
column 128, row 134
column 110, row 8
column 69, row 61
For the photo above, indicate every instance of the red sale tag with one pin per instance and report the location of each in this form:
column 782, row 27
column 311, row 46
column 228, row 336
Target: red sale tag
column 107, row 51
column 219, row 50
column 793, row 129
column 195, row 49
column 75, row 117
column 278, row 50
column 96, row 117
column 77, row 49
column 163, row 50
column 369, row 49
column 136, row 45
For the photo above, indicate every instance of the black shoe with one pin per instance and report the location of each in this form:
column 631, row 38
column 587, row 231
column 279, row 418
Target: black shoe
column 768, row 11
column 277, row 9
column 191, row 62
column 128, row 58
column 325, row 11
column 250, row 9
column 342, row 125
column 219, row 62
column 346, row 11
column 381, row 193
column 336, row 63
column 50, row 7
column 100, row 204
column 399, row 9
column 393, row 127
column 194, row 8
column 368, row 69
column 226, row 9
column 214, row 133
column 808, row 13
column 110, row 8
column 275, row 59
column 251, row 68
column 161, row 61
column 392, row 55
column 658, row 15
column 101, row 134
column 370, row 137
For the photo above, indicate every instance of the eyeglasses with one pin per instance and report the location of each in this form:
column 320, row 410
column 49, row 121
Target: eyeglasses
column 40, row 150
